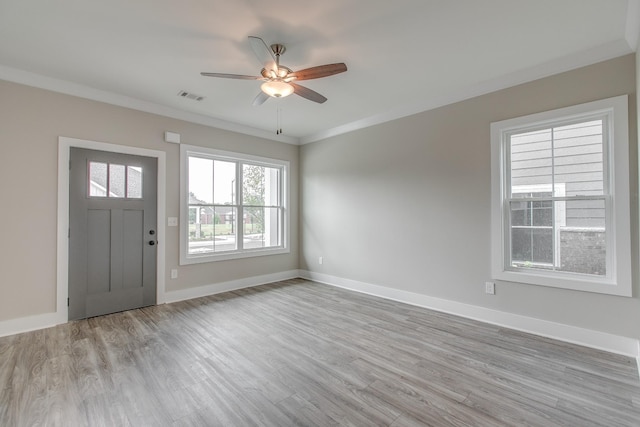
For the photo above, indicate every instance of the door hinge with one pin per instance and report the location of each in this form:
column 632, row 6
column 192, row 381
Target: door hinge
column 69, row 164
column 69, row 233
column 67, row 302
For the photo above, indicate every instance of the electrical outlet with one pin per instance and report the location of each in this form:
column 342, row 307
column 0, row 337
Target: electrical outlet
column 174, row 273
column 490, row 288
column 172, row 221
column 320, row 260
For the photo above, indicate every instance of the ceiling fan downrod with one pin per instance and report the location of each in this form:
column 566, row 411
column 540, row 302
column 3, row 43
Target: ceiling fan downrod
column 278, row 49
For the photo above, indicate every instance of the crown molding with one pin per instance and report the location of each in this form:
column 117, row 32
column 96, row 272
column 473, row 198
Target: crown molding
column 69, row 88
column 632, row 26
column 571, row 62
column 588, row 57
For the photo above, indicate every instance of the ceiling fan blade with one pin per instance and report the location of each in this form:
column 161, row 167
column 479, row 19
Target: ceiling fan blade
column 260, row 99
column 319, row 71
column 264, row 54
column 233, row 76
column 307, row 93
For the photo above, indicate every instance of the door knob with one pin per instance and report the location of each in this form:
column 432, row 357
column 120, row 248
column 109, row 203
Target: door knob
column 152, row 242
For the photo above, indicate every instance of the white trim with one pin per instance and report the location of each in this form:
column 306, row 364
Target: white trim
column 638, row 357
column 29, row 323
column 567, row 333
column 570, row 62
column 64, row 147
column 69, row 88
column 232, row 285
column 41, row 321
column 618, row 280
column 632, row 27
column 285, row 185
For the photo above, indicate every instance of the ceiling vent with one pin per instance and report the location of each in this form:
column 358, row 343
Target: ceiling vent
column 189, row 95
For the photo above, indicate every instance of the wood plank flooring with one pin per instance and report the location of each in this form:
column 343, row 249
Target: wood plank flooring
column 302, row 353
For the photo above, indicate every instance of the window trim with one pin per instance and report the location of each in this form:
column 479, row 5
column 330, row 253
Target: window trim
column 616, row 158
column 185, row 152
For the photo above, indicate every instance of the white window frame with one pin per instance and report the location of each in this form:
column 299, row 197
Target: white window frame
column 618, row 217
column 188, row 150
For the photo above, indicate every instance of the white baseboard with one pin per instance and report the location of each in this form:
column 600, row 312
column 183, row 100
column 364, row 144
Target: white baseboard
column 589, row 338
column 232, row 285
column 42, row 321
column 29, row 323
column 638, row 358
column 572, row 334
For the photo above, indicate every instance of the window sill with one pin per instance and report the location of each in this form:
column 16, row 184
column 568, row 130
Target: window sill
column 225, row 256
column 575, row 282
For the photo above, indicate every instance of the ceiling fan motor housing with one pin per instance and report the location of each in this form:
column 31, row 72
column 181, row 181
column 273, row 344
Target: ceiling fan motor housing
column 282, row 72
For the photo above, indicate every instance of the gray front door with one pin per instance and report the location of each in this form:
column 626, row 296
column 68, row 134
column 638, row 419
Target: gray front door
column 112, row 232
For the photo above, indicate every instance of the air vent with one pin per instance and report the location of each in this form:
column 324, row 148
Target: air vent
column 189, row 95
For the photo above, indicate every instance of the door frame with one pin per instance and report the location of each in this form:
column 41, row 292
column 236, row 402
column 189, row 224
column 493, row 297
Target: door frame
column 64, row 150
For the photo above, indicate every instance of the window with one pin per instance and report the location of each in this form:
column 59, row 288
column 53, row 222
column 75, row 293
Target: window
column 114, row 181
column 560, row 198
column 233, row 205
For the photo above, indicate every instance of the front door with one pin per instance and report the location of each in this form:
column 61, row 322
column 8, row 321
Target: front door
column 112, row 232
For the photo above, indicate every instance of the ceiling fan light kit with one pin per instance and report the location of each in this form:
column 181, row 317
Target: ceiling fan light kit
column 277, row 89
column 278, row 79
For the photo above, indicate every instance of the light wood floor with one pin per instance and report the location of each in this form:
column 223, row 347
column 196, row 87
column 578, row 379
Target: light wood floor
column 301, row 353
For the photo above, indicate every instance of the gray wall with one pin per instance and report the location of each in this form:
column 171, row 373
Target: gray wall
column 31, row 121
column 406, row 204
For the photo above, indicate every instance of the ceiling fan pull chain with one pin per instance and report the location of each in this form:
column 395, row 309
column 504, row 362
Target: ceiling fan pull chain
column 278, row 121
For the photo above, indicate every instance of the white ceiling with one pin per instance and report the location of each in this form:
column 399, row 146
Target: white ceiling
column 404, row 56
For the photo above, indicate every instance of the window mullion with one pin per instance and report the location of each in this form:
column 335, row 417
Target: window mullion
column 608, row 193
column 108, row 183
column 555, row 199
column 213, row 207
column 554, row 230
column 240, row 208
column 507, row 197
column 125, row 190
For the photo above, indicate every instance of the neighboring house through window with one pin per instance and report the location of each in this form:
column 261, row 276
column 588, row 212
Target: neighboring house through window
column 560, row 194
column 114, row 180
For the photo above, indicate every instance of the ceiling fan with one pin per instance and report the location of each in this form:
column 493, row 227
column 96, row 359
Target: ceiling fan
column 279, row 81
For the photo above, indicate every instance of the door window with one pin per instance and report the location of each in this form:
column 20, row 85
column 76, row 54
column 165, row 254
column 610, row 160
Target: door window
column 114, row 180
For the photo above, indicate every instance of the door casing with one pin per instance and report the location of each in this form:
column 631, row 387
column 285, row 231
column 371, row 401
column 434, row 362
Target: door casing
column 62, row 279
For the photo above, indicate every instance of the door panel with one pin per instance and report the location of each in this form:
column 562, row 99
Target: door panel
column 133, row 233
column 98, row 251
column 112, row 218
column 117, row 247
